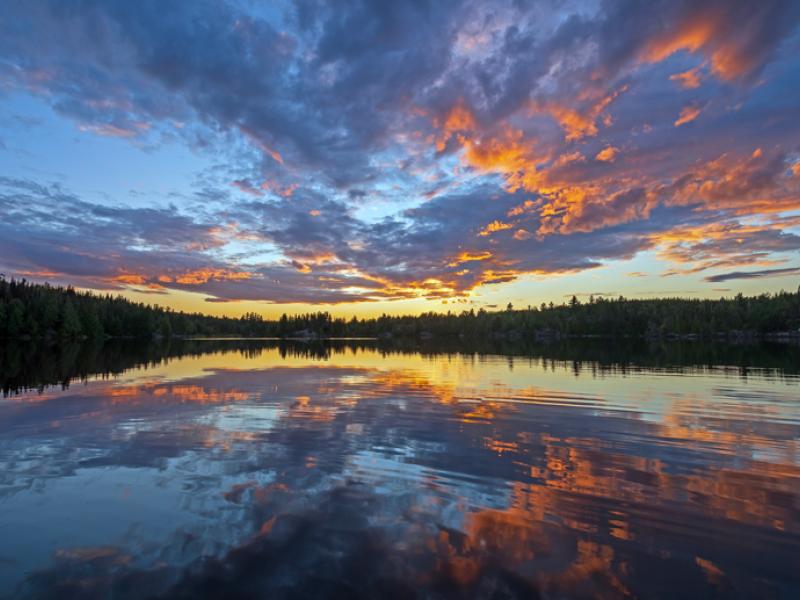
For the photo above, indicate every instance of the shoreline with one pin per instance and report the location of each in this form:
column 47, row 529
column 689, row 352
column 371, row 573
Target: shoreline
column 539, row 337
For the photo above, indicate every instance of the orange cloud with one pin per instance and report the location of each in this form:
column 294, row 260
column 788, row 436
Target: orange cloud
column 507, row 153
column 265, row 148
column 130, row 278
column 730, row 62
column 43, row 273
column 576, row 123
column 564, row 207
column 706, row 30
column 587, row 208
column 322, row 258
column 688, row 80
column 469, row 257
column 200, row 276
column 282, row 190
column 688, row 114
column 570, row 158
column 691, row 35
column 729, row 244
column 303, row 262
column 756, row 184
column 526, row 207
column 607, row 154
column 301, row 267
column 573, row 123
column 493, row 227
column 503, row 150
column 457, row 122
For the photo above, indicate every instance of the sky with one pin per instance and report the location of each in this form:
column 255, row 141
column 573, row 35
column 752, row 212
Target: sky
column 399, row 157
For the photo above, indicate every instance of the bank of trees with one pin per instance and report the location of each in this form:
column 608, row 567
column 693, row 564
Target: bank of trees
column 44, row 311
column 767, row 313
column 29, row 310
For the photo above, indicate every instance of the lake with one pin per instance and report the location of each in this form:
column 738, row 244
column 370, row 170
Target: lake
column 257, row 468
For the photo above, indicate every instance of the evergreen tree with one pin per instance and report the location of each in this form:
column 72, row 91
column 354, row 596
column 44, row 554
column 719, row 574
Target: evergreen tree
column 165, row 329
column 70, row 323
column 16, row 318
column 92, row 326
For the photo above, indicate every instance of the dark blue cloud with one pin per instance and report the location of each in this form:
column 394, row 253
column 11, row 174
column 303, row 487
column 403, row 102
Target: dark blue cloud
column 752, row 274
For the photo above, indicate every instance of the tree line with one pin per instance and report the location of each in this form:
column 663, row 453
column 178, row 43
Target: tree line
column 31, row 310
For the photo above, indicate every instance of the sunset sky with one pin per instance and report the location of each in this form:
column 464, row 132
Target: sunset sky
column 370, row 157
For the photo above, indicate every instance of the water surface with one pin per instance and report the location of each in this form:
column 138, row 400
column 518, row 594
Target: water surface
column 256, row 469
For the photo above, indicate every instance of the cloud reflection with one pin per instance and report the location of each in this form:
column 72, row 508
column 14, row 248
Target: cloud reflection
column 375, row 475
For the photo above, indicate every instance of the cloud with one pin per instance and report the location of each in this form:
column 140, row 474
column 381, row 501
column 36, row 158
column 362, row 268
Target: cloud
column 716, row 29
column 688, row 114
column 245, row 186
column 753, row 274
column 755, row 184
column 727, row 244
column 371, row 151
column 493, row 227
column 607, row 154
column 689, row 79
column 53, row 234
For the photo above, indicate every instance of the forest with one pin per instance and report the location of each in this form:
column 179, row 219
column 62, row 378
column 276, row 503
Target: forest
column 41, row 311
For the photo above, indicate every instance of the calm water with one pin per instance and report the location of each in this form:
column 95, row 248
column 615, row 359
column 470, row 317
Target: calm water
column 237, row 470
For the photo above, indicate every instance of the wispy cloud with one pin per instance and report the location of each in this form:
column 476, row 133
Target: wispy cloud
column 688, row 114
column 752, row 274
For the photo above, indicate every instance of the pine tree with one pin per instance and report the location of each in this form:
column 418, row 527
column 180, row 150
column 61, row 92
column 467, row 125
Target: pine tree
column 15, row 318
column 165, row 328
column 92, row 326
column 70, row 323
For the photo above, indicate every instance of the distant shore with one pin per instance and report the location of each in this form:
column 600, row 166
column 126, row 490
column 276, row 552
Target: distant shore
column 40, row 311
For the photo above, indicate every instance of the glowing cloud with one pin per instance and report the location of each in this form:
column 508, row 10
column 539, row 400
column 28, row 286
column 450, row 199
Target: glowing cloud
column 688, row 114
column 688, row 80
column 204, row 275
column 493, row 227
column 607, row 154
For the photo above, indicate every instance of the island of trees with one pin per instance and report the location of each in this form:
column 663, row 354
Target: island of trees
column 41, row 311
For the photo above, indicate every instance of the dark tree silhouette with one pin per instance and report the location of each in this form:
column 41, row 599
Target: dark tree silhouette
column 43, row 311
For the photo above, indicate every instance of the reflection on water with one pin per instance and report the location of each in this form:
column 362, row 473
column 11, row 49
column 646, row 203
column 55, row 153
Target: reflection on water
column 254, row 469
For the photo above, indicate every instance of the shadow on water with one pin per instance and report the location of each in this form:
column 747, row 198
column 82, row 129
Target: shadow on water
column 36, row 366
